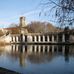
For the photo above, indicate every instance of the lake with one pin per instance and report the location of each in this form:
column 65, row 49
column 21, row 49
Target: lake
column 38, row 59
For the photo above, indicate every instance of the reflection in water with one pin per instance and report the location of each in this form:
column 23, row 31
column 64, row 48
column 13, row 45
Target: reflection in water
column 37, row 54
column 21, row 59
column 67, row 54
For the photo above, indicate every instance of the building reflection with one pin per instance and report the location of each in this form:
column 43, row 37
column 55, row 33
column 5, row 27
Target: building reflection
column 37, row 53
column 22, row 54
column 66, row 54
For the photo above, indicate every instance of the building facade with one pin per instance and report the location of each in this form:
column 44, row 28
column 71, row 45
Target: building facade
column 25, row 37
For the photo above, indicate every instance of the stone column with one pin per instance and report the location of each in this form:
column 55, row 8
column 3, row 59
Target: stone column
column 16, row 38
column 43, row 38
column 63, row 38
column 35, row 39
column 52, row 38
column 13, row 39
column 39, row 38
column 23, row 38
column 48, row 38
column 30, row 38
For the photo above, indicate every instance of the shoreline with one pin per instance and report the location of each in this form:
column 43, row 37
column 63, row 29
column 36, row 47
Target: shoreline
column 37, row 43
column 7, row 71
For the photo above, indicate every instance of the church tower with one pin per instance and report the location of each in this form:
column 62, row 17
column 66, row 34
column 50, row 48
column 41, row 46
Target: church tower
column 22, row 22
column 23, row 25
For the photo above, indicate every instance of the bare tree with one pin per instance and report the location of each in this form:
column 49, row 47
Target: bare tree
column 64, row 10
column 13, row 25
column 41, row 27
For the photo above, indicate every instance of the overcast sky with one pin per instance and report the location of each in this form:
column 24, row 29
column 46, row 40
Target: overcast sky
column 11, row 10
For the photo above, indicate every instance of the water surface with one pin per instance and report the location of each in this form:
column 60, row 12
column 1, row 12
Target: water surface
column 38, row 59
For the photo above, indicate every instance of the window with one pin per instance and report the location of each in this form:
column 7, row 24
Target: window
column 45, row 38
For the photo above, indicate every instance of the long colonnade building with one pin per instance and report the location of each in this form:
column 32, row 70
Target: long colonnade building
column 37, row 38
column 25, row 37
